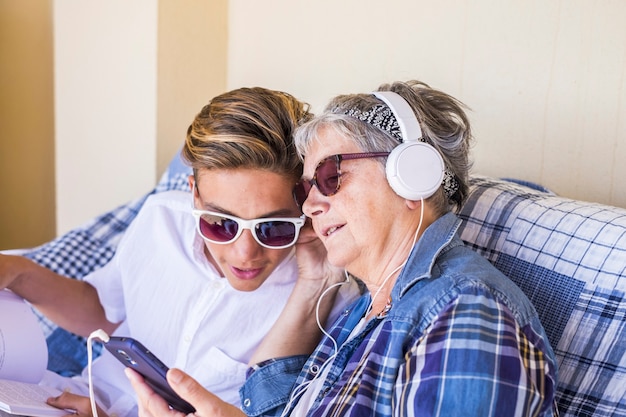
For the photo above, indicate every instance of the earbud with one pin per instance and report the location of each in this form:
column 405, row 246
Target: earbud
column 414, row 169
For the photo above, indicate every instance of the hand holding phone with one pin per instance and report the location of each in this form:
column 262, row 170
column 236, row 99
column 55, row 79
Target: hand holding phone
column 133, row 354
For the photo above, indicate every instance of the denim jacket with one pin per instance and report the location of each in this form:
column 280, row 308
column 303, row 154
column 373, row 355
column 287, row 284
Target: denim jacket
column 459, row 339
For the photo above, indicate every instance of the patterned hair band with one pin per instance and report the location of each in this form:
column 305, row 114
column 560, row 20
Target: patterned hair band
column 383, row 118
column 379, row 116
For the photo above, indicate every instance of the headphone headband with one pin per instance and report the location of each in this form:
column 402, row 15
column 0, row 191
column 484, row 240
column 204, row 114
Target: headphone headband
column 414, row 169
column 407, row 121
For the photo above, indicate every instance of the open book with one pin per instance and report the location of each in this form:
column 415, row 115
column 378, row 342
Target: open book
column 23, row 360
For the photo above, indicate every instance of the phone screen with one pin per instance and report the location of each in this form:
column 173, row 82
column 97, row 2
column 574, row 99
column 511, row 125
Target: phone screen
column 134, row 355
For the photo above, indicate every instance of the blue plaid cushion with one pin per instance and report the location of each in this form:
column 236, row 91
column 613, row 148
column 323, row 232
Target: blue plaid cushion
column 83, row 250
column 569, row 257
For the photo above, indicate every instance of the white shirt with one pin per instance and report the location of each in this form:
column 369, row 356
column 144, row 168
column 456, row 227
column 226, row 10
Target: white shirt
column 175, row 303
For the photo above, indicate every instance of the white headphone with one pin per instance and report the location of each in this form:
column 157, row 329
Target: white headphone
column 414, row 169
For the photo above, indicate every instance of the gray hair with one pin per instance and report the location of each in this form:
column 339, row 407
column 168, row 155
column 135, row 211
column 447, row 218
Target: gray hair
column 441, row 117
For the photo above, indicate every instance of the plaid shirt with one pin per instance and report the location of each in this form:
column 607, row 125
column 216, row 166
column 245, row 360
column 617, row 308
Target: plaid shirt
column 460, row 339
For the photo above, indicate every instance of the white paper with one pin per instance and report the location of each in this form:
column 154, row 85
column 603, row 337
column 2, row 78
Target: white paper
column 23, row 349
column 28, row 399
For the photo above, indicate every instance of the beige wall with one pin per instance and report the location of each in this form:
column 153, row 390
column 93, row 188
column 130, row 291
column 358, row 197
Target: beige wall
column 546, row 80
column 191, row 67
column 130, row 77
column 27, row 192
column 105, row 105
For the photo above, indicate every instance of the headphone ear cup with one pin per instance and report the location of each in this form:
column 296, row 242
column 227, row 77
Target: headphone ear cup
column 414, row 170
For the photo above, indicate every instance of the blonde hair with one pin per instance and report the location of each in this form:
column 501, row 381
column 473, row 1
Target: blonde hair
column 247, row 127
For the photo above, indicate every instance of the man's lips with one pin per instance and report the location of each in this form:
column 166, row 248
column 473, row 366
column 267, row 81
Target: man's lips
column 247, row 273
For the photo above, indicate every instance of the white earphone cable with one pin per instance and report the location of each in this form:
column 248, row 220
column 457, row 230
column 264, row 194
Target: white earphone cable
column 100, row 334
column 419, row 226
column 299, row 390
column 317, row 308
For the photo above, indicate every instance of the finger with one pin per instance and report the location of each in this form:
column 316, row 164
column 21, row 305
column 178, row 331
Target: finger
column 307, row 234
column 69, row 401
column 149, row 403
column 205, row 403
column 313, row 262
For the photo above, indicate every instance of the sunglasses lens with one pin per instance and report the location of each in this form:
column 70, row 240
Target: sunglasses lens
column 301, row 192
column 276, row 233
column 271, row 233
column 327, row 177
column 326, row 180
column 218, row 229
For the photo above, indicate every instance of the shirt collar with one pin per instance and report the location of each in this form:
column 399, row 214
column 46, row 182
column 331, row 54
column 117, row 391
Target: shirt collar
column 439, row 236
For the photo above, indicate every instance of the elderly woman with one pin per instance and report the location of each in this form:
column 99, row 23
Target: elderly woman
column 440, row 331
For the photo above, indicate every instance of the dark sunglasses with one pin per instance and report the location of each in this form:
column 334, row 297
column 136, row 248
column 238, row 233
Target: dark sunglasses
column 327, row 175
column 271, row 232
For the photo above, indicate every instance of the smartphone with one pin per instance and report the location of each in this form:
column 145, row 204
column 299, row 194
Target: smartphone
column 134, row 355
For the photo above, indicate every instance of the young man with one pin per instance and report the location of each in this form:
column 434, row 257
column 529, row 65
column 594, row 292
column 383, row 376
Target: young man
column 198, row 278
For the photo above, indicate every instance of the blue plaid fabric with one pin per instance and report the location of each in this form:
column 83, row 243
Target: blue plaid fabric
column 569, row 257
column 83, row 250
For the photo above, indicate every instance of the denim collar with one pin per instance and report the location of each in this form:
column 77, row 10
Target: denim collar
column 440, row 236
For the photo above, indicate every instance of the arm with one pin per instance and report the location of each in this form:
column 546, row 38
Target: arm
column 315, row 277
column 72, row 304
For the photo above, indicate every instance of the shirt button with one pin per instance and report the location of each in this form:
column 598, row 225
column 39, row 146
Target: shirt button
column 187, row 339
column 247, row 402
